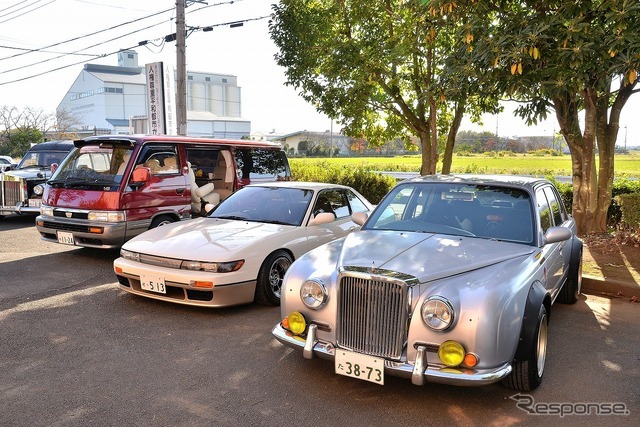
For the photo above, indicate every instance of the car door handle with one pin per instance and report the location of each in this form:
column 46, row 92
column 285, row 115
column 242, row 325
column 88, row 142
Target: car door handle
column 179, row 190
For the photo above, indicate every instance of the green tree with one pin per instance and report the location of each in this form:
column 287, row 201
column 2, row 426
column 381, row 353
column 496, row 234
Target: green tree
column 378, row 67
column 19, row 129
column 577, row 59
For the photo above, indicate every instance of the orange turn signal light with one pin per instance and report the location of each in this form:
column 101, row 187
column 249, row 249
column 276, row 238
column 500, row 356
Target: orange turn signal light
column 470, row 360
column 201, row 284
column 96, row 230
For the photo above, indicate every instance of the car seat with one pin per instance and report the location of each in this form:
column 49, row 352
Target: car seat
column 224, row 171
column 201, row 195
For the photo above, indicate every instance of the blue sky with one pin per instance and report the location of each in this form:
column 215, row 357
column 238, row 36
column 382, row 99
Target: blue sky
column 246, row 52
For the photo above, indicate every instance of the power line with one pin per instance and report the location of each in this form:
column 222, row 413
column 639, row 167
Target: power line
column 85, row 48
column 24, row 7
column 96, row 56
column 87, row 35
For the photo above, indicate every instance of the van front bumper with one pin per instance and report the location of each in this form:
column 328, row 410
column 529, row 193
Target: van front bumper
column 104, row 235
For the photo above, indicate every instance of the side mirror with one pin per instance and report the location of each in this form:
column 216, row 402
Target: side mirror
column 359, row 217
column 139, row 177
column 557, row 234
column 323, row 218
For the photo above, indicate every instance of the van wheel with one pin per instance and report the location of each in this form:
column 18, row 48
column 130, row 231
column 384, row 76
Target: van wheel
column 161, row 220
column 269, row 285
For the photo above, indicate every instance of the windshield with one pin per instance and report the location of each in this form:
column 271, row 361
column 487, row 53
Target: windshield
column 492, row 212
column 276, row 205
column 91, row 165
column 41, row 159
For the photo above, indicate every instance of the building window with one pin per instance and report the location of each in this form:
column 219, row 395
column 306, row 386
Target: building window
column 189, row 77
column 207, row 79
column 224, row 80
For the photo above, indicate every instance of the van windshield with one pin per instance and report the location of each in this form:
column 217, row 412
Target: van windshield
column 93, row 166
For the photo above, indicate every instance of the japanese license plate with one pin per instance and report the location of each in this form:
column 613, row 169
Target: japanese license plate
column 35, row 203
column 153, row 283
column 360, row 366
column 66, row 238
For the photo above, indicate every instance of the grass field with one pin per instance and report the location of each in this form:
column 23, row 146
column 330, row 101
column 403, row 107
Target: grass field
column 626, row 165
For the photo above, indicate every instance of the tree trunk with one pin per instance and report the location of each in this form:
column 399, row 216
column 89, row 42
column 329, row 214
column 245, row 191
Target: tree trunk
column 582, row 148
column 427, row 167
column 447, row 158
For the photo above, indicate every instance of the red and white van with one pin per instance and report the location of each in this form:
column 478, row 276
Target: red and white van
column 112, row 188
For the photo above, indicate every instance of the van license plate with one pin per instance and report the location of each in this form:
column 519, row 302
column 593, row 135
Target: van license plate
column 153, row 283
column 360, row 366
column 66, row 238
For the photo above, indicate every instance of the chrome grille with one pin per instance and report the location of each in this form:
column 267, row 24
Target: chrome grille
column 11, row 193
column 373, row 315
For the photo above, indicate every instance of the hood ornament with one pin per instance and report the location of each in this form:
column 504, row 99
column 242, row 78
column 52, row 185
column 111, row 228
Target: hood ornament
column 373, row 266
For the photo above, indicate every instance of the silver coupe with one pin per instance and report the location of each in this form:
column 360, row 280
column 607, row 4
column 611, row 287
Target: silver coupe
column 451, row 280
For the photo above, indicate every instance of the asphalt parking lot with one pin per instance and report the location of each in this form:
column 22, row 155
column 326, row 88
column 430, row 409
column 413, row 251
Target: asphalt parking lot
column 77, row 351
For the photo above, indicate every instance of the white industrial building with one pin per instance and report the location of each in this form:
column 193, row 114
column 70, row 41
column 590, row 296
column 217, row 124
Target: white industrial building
column 114, row 98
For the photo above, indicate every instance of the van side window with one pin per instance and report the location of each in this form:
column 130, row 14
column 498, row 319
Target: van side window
column 160, row 159
column 260, row 163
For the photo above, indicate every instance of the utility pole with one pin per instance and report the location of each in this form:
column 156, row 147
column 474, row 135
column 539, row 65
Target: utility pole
column 181, row 72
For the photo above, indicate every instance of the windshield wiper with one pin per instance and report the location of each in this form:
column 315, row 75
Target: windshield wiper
column 234, row 217
column 274, row 221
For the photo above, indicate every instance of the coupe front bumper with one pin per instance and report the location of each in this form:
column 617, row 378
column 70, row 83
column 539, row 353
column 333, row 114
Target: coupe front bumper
column 419, row 372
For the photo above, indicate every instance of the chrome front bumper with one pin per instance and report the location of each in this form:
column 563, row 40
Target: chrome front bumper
column 419, row 372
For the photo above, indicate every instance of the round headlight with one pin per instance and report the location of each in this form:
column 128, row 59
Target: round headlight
column 313, row 293
column 437, row 313
column 451, row 353
column 38, row 190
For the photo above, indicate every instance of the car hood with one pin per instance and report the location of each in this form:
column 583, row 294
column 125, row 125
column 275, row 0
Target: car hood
column 203, row 239
column 423, row 255
column 28, row 173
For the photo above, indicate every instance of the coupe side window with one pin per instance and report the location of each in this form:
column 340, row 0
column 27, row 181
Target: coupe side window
column 544, row 211
column 555, row 206
column 332, row 201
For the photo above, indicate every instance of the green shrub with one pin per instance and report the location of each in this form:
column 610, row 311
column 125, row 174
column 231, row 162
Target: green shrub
column 372, row 185
column 630, row 210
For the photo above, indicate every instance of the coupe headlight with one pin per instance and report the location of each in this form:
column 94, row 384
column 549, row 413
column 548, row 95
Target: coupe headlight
column 313, row 294
column 213, row 267
column 38, row 190
column 133, row 256
column 106, row 216
column 437, row 313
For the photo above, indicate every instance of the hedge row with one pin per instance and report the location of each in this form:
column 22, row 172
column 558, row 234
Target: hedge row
column 372, row 185
column 622, row 186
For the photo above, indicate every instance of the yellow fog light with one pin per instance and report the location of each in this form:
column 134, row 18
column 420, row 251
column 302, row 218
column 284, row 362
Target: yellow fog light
column 451, row 353
column 297, row 324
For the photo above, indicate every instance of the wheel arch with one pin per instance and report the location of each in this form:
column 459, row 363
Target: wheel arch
column 171, row 214
column 536, row 297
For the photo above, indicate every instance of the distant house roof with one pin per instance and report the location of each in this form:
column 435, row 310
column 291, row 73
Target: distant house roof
column 306, row 132
column 115, row 74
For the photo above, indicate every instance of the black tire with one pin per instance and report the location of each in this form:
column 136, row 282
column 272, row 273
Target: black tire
column 161, row 220
column 570, row 292
column 269, row 285
column 527, row 373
